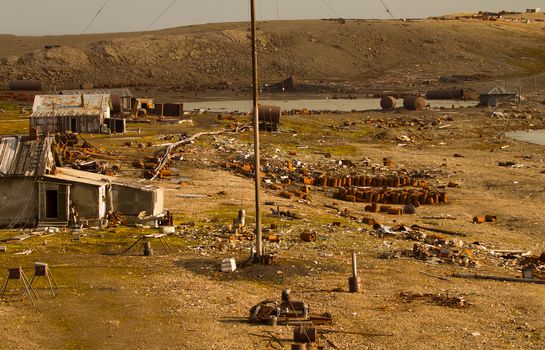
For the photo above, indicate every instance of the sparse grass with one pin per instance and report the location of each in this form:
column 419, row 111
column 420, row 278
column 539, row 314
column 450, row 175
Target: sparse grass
column 13, row 127
column 11, row 107
column 536, row 64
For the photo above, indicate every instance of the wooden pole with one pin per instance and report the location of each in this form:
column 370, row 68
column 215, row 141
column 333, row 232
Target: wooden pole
column 354, row 265
column 354, row 281
column 257, row 171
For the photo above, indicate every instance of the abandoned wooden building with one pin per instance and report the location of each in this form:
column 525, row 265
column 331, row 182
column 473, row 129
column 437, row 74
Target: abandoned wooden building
column 34, row 192
column 83, row 113
column 495, row 96
column 122, row 98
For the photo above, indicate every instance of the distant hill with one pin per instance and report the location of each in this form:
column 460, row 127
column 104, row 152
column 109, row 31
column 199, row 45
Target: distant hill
column 376, row 52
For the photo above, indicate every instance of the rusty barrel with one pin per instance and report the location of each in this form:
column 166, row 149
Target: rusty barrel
column 308, row 236
column 478, row 219
column 388, row 102
column 269, row 113
column 490, row 218
column 414, row 103
column 86, row 86
column 303, row 334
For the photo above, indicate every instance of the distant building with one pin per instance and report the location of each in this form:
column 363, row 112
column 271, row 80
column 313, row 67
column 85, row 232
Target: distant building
column 496, row 96
column 534, row 10
column 34, row 192
column 85, row 113
column 122, row 99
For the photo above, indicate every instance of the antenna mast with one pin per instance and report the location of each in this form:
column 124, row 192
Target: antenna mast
column 257, row 168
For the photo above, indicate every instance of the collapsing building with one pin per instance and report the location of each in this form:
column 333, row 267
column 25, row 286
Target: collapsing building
column 34, row 192
column 75, row 113
column 496, row 96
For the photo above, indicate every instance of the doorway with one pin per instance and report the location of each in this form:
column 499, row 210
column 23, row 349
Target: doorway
column 51, row 204
column 73, row 124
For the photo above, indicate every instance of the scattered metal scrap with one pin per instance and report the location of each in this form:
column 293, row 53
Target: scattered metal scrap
column 438, row 299
column 287, row 312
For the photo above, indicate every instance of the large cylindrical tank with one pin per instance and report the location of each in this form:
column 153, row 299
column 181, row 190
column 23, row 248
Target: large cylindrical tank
column 86, row 86
column 450, row 94
column 388, row 102
column 414, row 103
column 25, row 85
column 269, row 113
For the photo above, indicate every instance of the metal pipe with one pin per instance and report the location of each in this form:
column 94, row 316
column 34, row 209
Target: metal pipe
column 354, row 265
column 257, row 171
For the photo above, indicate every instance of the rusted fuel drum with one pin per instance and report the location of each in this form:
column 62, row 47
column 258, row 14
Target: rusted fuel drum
column 303, row 334
column 269, row 113
column 414, row 103
column 25, row 85
column 449, row 94
column 388, row 102
column 86, row 86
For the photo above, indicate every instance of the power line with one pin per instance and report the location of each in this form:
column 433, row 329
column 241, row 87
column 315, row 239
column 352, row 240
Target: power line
column 387, row 9
column 158, row 17
column 331, row 9
column 96, row 15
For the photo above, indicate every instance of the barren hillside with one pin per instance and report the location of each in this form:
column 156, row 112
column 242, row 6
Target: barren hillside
column 374, row 53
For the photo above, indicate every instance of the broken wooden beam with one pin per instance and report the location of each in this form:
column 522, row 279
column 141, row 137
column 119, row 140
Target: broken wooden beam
column 438, row 230
column 498, row 278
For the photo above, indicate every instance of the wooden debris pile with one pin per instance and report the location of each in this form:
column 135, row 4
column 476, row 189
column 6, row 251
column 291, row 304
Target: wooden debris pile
column 67, row 150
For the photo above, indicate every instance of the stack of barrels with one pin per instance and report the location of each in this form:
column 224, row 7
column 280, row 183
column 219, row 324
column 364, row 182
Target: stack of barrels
column 366, row 180
column 415, row 197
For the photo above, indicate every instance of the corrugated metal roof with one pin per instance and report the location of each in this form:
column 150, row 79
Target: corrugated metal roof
column 71, row 105
column 123, row 92
column 78, row 176
column 498, row 90
column 47, row 103
column 20, row 156
column 68, row 113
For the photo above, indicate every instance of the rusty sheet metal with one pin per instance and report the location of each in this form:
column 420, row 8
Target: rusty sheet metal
column 123, row 92
column 20, row 156
column 71, row 105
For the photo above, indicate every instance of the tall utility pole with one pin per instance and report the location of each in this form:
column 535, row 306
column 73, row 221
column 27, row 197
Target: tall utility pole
column 257, row 168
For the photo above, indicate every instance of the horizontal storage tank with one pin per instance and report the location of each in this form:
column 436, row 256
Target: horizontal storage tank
column 388, row 102
column 451, row 94
column 414, row 103
column 25, row 85
column 269, row 114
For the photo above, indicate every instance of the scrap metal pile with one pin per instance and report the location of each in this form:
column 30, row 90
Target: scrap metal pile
column 68, row 150
column 437, row 248
column 287, row 312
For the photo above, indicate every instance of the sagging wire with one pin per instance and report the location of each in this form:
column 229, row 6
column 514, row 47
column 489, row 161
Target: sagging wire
column 158, row 17
column 95, row 17
column 331, row 9
column 387, row 9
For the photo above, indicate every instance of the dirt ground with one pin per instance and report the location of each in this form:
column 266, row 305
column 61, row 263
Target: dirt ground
column 180, row 300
